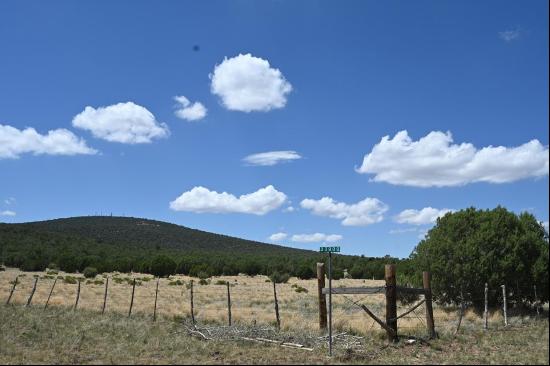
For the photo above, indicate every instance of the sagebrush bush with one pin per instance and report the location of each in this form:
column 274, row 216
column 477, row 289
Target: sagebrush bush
column 90, row 272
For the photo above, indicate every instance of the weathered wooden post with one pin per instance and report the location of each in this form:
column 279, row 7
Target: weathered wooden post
column 536, row 301
column 105, row 296
column 77, row 295
column 132, row 298
column 32, row 292
column 12, row 290
column 486, row 312
column 228, row 304
column 321, row 296
column 156, row 296
column 50, row 295
column 276, row 307
column 192, row 305
column 504, row 305
column 426, row 280
column 391, row 301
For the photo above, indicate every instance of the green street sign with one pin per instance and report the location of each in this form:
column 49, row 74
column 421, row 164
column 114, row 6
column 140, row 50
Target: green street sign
column 329, row 249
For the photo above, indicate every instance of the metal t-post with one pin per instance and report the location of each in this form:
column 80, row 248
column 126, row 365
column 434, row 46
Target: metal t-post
column 330, row 304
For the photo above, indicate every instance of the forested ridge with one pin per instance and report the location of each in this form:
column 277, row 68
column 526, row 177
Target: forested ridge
column 134, row 244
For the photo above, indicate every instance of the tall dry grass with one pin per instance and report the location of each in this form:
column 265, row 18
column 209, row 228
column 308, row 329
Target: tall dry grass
column 252, row 301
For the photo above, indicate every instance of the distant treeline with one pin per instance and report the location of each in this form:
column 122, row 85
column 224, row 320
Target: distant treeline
column 33, row 248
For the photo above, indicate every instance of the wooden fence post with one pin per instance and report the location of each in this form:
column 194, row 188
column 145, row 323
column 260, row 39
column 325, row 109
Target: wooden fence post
column 132, row 298
column 32, row 292
column 322, row 298
column 12, row 290
column 192, row 305
column 276, row 307
column 426, row 280
column 156, row 296
column 228, row 304
column 77, row 295
column 504, row 305
column 486, row 312
column 391, row 301
column 536, row 301
column 105, row 296
column 50, row 295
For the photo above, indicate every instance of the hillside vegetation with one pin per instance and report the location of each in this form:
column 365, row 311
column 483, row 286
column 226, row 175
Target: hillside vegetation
column 133, row 244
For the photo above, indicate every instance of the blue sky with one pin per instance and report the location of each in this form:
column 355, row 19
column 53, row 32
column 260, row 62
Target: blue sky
column 316, row 84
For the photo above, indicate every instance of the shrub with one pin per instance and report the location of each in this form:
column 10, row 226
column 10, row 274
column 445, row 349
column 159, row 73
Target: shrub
column 52, row 273
column 221, row 282
column 70, row 280
column 279, row 277
column 300, row 289
column 176, row 283
column 202, row 275
column 202, row 281
column 162, row 266
column 2, row 268
column 305, row 273
column 90, row 272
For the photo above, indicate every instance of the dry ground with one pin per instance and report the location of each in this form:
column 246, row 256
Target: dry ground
column 252, row 301
column 62, row 336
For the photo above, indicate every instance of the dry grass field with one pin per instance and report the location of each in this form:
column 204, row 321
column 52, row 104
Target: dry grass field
column 252, row 301
column 62, row 336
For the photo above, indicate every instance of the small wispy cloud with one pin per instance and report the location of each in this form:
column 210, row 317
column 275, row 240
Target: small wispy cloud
column 278, row 237
column 271, row 158
column 403, row 231
column 9, row 201
column 510, row 35
column 7, row 213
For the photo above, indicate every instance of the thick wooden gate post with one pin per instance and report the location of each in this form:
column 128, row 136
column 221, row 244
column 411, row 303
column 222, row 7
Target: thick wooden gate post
column 391, row 302
column 276, row 307
column 192, row 304
column 426, row 280
column 322, row 298
column 228, row 304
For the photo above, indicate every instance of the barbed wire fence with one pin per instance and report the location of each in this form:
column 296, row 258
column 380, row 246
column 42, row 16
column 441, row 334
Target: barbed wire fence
column 230, row 303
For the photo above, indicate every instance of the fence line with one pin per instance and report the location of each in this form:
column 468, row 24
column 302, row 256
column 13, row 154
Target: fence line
column 283, row 302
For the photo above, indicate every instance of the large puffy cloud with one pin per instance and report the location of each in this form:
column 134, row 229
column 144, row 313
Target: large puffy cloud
column 435, row 161
column 246, row 83
column 201, row 200
column 315, row 238
column 362, row 213
column 15, row 142
column 127, row 123
column 189, row 111
column 428, row 215
column 271, row 158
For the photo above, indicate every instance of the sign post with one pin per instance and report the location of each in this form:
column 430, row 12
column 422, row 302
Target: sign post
column 329, row 250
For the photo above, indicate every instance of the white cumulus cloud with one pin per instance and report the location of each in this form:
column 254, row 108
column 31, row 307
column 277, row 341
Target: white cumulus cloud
column 434, row 160
column 202, row 200
column 271, row 158
column 362, row 213
column 127, row 123
column 427, row 215
column 315, row 238
column 246, row 83
column 15, row 142
column 7, row 213
column 189, row 111
column 510, row 35
column 278, row 236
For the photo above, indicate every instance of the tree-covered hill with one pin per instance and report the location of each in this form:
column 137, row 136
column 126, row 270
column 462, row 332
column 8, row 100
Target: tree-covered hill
column 125, row 244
